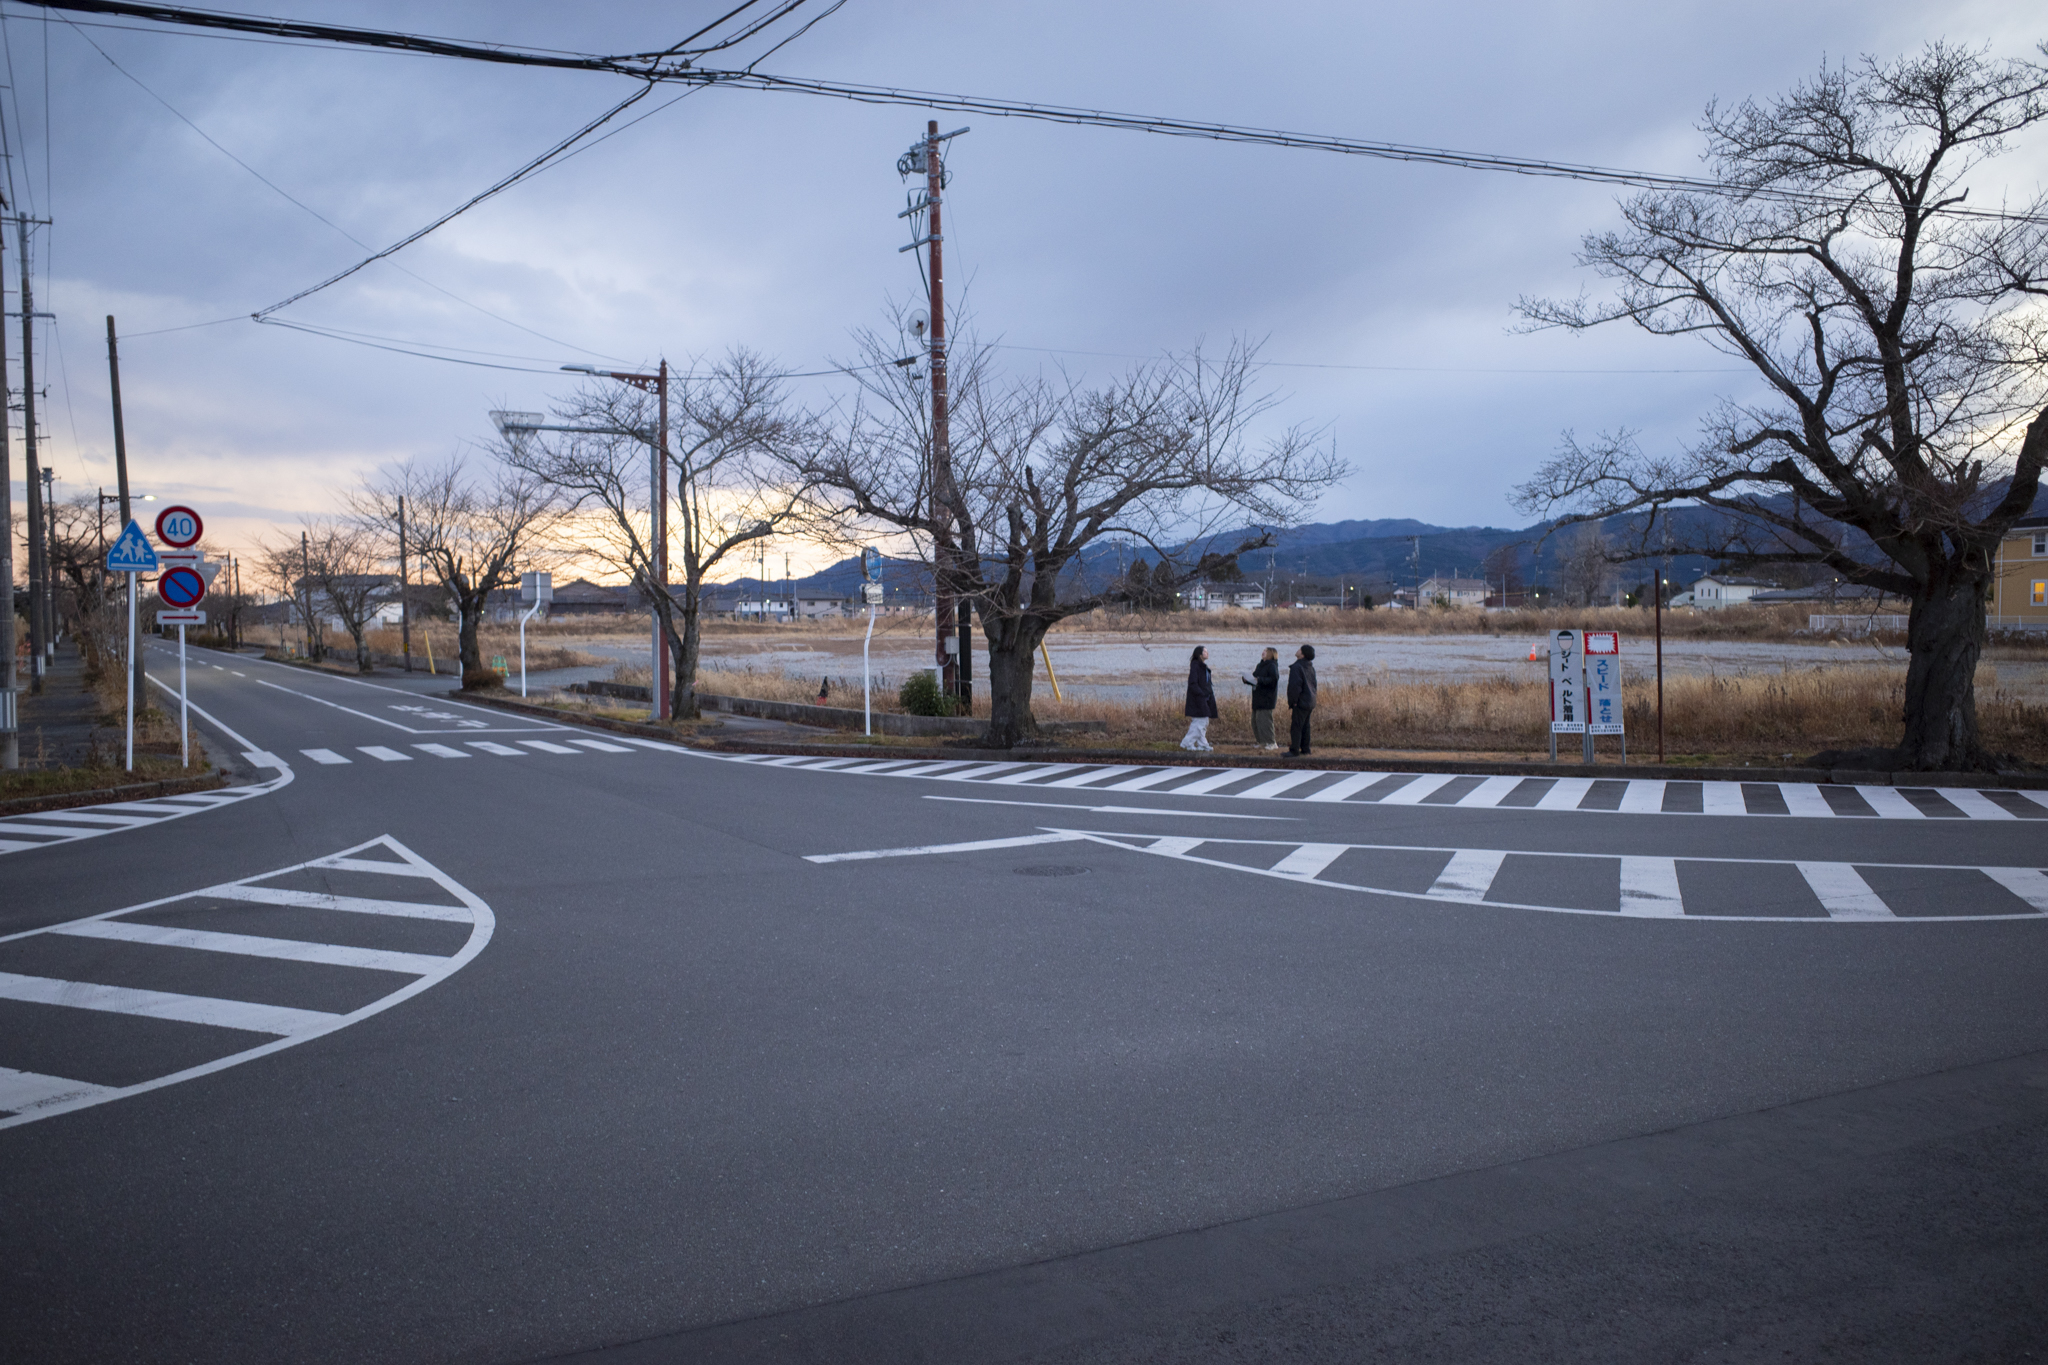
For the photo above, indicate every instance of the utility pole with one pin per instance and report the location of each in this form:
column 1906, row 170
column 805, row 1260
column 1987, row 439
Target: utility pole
column 306, row 584
column 10, row 724
column 50, row 561
column 121, row 471
column 38, row 630
column 404, row 593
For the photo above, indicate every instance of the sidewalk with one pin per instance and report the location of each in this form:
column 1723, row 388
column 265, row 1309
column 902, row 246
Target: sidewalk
column 57, row 727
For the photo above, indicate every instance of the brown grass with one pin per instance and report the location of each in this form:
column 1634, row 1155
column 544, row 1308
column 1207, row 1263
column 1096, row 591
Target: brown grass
column 1733, row 623
column 491, row 640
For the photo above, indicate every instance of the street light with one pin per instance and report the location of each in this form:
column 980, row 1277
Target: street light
column 657, row 384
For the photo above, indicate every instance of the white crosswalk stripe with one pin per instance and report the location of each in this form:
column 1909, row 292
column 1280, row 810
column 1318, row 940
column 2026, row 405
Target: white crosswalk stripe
column 1609, row 793
column 46, row 829
column 137, row 964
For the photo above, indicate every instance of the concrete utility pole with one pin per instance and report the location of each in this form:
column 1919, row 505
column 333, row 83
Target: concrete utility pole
column 121, row 471
column 10, row 725
column 306, row 583
column 404, row 593
column 38, row 627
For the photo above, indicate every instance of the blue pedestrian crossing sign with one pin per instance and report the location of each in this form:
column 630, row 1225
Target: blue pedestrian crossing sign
column 131, row 552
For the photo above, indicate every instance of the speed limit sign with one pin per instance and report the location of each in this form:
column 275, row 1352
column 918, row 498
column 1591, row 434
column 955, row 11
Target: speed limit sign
column 179, row 527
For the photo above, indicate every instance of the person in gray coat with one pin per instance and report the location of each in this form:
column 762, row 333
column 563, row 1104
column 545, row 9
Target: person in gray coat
column 1301, row 699
column 1265, row 685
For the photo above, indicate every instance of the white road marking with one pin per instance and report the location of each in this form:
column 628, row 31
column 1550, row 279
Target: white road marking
column 1025, row 774
column 341, row 863
column 1645, row 796
column 1804, row 800
column 378, row 751
column 1310, row 859
column 1342, row 788
column 442, row 751
column 239, row 675
column 1890, row 804
column 354, row 905
column 12, row 846
column 2030, row 884
column 1217, row 779
column 262, row 758
column 323, row 756
column 25, row 1091
column 2039, row 798
column 1275, row 786
column 1649, row 887
column 548, row 748
column 602, row 747
column 1114, row 810
column 1843, row 893
column 250, row 945
column 492, row 747
column 186, row 1009
column 1565, row 794
column 1097, row 775
column 975, row 847
column 1468, row 876
column 1140, row 783
column 1722, row 798
column 1487, row 794
column 47, row 824
column 1975, row 804
column 1412, row 794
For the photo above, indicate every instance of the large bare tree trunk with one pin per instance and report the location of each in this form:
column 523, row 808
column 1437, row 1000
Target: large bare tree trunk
column 1011, row 663
column 686, row 646
column 1945, row 635
column 474, row 674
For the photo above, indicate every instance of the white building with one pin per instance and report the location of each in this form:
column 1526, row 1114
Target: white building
column 1457, row 592
column 1217, row 596
column 1723, row 590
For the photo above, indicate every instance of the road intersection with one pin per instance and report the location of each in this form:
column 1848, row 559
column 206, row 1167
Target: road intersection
column 678, row 1055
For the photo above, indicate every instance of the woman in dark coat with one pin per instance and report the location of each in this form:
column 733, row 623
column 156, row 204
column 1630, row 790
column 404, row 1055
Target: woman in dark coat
column 1201, row 704
column 1265, row 685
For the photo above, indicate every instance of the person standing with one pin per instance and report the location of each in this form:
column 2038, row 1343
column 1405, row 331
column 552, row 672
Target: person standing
column 1301, row 699
column 1201, row 703
column 1265, row 685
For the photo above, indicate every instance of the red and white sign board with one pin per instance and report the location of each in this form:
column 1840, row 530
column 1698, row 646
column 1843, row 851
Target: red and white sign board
column 194, row 560
column 1597, row 641
column 179, row 527
column 181, row 618
column 181, row 587
column 1603, row 682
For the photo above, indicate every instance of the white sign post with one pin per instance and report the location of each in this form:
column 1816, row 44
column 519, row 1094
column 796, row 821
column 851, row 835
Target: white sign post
column 1567, row 688
column 1603, row 689
column 539, row 589
column 131, row 554
column 871, row 593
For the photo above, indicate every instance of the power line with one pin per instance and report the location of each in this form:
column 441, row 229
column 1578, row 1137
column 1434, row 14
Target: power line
column 674, row 67
column 1388, row 369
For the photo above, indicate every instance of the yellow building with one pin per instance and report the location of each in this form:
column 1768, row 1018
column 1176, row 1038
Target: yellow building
column 2019, row 593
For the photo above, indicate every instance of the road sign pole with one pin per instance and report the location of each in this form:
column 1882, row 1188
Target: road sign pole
column 867, row 706
column 131, row 671
column 184, row 722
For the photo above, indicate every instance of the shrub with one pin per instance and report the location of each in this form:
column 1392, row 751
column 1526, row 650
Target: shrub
column 921, row 696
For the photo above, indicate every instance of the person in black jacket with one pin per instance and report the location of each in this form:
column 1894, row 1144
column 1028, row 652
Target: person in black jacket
column 1201, row 705
column 1301, row 699
column 1265, row 685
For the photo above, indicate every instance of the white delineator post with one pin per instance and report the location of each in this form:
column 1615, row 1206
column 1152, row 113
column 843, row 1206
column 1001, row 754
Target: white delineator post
column 130, row 757
column 184, row 720
column 867, row 708
column 522, row 645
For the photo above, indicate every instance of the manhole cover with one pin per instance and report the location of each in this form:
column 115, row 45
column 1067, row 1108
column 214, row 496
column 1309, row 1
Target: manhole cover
column 1052, row 870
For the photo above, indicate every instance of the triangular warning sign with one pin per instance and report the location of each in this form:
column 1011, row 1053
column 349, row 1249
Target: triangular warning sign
column 131, row 552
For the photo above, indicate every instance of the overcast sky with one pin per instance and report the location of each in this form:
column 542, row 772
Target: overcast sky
column 768, row 220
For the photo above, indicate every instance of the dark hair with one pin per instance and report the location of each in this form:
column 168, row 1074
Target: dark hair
column 1196, row 657
column 1308, row 652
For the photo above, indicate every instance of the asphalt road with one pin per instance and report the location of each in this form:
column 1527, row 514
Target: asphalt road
column 472, row 1038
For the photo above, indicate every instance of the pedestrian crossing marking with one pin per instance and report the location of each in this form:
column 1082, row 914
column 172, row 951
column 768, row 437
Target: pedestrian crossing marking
column 27, row 1096
column 1644, row 887
column 547, row 748
column 492, row 747
column 603, row 747
column 380, row 752
column 441, row 751
column 323, row 756
column 1439, row 791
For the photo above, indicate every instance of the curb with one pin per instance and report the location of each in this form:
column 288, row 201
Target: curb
column 1150, row 758
column 99, row 796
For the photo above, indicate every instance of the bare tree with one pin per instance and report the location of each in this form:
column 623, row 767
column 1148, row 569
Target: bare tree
column 733, row 437
column 1503, row 566
column 286, row 569
column 1884, row 320
column 1585, row 570
column 472, row 531
column 342, row 562
column 1041, row 469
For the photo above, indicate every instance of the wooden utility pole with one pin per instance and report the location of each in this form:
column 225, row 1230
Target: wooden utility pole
column 121, row 472
column 10, row 724
column 942, row 447
column 38, row 566
column 404, row 593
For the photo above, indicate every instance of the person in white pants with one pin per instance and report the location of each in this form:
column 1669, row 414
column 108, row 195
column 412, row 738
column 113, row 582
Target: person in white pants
column 1201, row 703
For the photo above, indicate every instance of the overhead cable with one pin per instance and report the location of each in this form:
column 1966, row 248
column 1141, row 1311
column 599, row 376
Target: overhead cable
column 674, row 66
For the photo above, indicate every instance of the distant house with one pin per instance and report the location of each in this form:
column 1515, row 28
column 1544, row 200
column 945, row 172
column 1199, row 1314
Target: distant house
column 581, row 597
column 382, row 601
column 1457, row 592
column 811, row 606
column 1217, row 596
column 2019, row 592
column 1715, row 591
